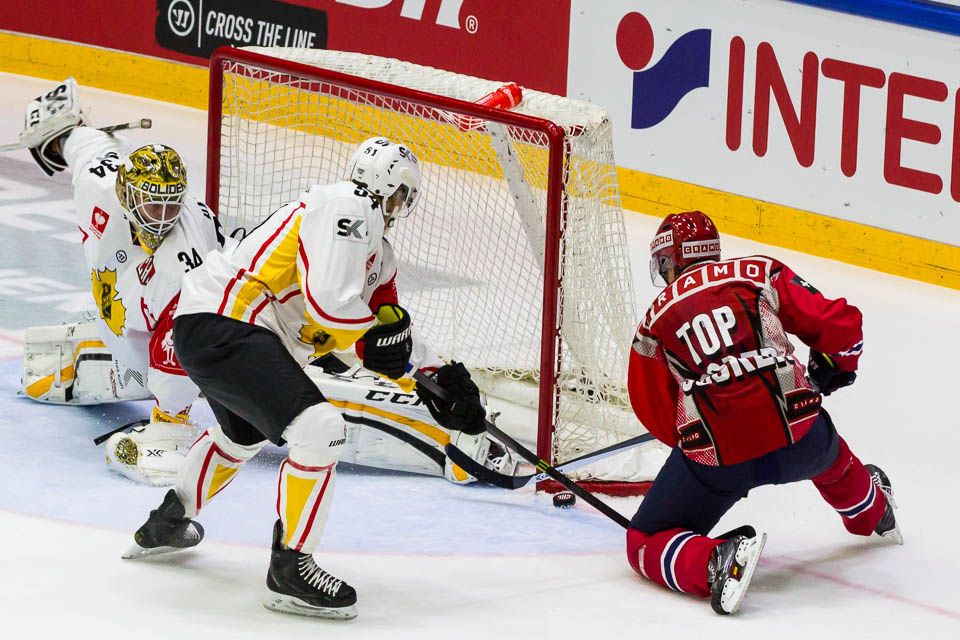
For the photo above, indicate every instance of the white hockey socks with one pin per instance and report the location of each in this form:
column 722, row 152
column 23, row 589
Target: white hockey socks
column 308, row 476
column 211, row 464
column 304, row 498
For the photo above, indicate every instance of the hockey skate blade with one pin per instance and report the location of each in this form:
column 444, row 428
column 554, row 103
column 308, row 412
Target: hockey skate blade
column 291, row 605
column 136, row 551
column 732, row 598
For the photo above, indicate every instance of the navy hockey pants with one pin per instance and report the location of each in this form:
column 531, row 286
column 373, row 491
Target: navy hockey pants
column 694, row 496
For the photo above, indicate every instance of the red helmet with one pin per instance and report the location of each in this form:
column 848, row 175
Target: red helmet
column 681, row 240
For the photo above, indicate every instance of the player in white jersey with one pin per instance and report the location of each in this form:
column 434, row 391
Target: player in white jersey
column 140, row 235
column 297, row 287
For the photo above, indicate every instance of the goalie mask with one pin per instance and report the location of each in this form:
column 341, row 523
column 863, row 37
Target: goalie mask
column 151, row 185
column 389, row 171
column 682, row 240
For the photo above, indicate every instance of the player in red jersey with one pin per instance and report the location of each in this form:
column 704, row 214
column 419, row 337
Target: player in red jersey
column 713, row 375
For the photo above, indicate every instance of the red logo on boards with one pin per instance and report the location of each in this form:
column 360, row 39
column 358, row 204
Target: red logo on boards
column 98, row 221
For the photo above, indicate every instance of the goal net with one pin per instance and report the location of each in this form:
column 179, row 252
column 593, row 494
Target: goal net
column 514, row 260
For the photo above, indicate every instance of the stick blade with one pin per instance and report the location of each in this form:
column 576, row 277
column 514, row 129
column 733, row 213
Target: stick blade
column 483, row 474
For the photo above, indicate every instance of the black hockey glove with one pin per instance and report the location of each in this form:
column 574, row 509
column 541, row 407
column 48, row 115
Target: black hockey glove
column 826, row 375
column 463, row 411
column 388, row 345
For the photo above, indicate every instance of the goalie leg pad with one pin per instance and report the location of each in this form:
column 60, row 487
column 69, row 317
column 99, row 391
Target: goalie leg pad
column 389, row 428
column 67, row 364
column 211, row 464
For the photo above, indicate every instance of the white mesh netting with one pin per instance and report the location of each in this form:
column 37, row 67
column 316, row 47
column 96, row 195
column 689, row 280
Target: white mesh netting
column 471, row 253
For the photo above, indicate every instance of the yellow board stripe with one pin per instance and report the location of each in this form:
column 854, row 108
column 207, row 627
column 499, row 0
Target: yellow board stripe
column 781, row 226
column 778, row 225
column 134, row 75
column 428, row 430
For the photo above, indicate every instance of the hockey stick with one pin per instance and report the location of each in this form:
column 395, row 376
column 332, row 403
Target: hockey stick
column 132, row 425
column 531, row 457
column 489, row 476
column 143, row 123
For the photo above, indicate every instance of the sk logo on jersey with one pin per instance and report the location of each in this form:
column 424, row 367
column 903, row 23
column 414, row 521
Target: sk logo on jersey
column 105, row 295
column 316, row 337
column 352, row 229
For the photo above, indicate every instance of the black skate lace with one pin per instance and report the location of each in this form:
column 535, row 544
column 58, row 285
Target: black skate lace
column 317, row 577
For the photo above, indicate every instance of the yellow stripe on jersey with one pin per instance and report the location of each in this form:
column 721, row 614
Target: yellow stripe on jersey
column 277, row 273
column 324, row 339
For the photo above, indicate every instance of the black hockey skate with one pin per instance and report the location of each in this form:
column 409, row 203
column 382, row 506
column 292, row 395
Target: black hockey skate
column 887, row 527
column 297, row 585
column 730, row 569
column 166, row 530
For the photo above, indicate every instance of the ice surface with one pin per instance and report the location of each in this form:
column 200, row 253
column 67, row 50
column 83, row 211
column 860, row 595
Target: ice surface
column 430, row 559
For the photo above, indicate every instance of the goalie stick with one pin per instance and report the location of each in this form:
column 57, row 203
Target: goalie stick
column 531, row 457
column 143, row 123
column 136, row 423
column 489, row 476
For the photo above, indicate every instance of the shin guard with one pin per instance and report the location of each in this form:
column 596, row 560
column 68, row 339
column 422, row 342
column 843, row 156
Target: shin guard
column 211, row 464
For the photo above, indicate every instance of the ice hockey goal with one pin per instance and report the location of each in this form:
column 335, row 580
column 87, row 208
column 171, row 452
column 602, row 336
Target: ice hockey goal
column 514, row 260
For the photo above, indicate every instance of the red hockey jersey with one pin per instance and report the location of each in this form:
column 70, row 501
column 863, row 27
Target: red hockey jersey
column 712, row 368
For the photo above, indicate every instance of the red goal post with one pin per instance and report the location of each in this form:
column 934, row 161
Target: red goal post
column 514, row 260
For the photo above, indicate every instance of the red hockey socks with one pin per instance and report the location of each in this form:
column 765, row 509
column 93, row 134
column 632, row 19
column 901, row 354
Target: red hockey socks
column 847, row 487
column 675, row 558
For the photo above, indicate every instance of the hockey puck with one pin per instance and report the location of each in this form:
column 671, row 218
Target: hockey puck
column 564, row 499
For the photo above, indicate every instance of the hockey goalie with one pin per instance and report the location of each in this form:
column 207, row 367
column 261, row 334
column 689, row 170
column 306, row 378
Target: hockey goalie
column 140, row 233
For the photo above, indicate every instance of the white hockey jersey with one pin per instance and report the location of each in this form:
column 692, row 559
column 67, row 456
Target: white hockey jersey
column 306, row 273
column 133, row 291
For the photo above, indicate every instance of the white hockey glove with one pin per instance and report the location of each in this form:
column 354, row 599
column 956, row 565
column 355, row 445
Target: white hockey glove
column 49, row 117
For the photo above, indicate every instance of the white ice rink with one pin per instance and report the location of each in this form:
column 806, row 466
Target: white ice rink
column 433, row 560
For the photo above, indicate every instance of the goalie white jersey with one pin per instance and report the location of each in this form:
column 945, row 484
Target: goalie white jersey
column 135, row 293
column 307, row 273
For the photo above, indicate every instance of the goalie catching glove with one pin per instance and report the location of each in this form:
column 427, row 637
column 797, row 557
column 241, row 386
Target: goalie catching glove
column 50, row 116
column 463, row 411
column 388, row 345
column 826, row 375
